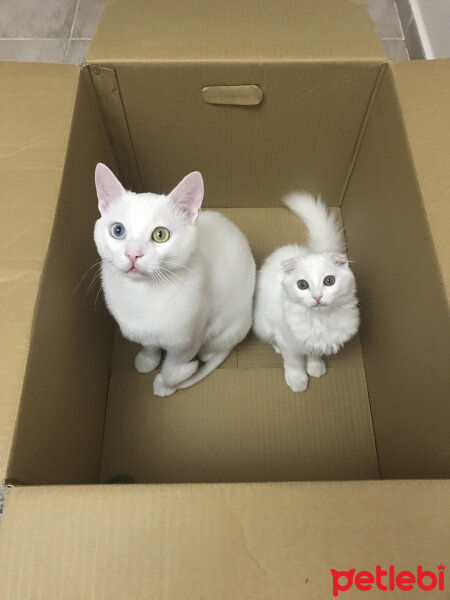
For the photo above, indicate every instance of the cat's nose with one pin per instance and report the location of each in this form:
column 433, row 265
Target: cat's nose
column 318, row 299
column 133, row 256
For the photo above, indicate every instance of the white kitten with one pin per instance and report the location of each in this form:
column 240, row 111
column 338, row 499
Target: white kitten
column 306, row 303
column 174, row 278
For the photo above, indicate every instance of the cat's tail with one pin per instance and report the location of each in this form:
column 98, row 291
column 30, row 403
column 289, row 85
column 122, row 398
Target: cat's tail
column 324, row 231
column 205, row 370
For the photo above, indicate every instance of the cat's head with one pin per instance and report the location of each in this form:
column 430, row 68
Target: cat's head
column 319, row 281
column 143, row 234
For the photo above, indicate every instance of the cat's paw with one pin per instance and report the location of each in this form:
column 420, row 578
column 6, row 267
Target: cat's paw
column 145, row 362
column 315, row 367
column 296, row 379
column 275, row 347
column 160, row 388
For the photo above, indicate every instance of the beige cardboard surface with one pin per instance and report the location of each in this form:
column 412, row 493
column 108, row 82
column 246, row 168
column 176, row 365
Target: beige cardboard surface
column 232, row 542
column 242, row 423
column 422, row 89
column 301, row 136
column 36, row 109
column 405, row 333
column 235, row 31
column 59, row 428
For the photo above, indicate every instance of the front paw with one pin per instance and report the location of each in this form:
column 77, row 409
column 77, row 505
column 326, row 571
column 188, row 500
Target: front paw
column 316, row 367
column 296, row 379
column 145, row 363
column 160, row 388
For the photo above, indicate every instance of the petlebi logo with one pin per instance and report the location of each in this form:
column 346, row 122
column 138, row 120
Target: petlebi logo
column 389, row 579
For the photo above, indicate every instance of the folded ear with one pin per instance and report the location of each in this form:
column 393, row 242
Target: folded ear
column 339, row 259
column 109, row 189
column 289, row 265
column 188, row 195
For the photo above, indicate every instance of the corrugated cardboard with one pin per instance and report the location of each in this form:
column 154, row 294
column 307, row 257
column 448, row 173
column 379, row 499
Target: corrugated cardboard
column 233, row 542
column 333, row 119
column 36, row 111
column 406, row 330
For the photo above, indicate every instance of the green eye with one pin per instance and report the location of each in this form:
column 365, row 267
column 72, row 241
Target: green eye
column 329, row 280
column 303, row 284
column 160, row 235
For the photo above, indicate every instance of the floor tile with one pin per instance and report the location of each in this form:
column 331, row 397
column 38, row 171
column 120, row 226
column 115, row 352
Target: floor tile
column 50, row 50
column 36, row 18
column 86, row 18
column 385, row 16
column 77, row 51
column 395, row 49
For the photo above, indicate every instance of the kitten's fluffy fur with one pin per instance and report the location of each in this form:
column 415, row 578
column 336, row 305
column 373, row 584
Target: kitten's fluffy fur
column 191, row 295
column 304, row 324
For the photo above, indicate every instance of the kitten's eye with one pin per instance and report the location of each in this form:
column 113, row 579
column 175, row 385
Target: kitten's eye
column 160, row 235
column 118, row 231
column 329, row 280
column 303, row 284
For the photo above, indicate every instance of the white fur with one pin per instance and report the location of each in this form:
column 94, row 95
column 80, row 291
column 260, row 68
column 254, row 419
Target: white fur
column 192, row 295
column 289, row 318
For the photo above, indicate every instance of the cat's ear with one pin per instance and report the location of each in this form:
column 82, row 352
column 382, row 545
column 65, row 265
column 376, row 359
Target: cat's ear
column 339, row 260
column 289, row 265
column 109, row 188
column 188, row 195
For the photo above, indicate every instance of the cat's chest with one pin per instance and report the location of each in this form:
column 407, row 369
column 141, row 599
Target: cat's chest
column 150, row 314
column 322, row 334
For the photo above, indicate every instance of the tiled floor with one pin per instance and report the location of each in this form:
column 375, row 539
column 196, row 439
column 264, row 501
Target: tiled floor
column 60, row 30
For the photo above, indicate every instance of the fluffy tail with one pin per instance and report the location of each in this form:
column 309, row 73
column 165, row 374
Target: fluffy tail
column 205, row 370
column 324, row 232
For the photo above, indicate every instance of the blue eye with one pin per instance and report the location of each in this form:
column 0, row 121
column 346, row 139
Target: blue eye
column 118, row 231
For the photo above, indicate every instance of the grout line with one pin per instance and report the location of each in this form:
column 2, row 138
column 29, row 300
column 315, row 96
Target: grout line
column 32, row 39
column 71, row 30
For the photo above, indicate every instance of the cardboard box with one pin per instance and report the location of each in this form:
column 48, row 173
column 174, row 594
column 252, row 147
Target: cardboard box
column 241, row 488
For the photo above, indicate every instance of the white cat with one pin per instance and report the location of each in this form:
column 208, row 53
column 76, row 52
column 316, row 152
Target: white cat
column 174, row 278
column 306, row 303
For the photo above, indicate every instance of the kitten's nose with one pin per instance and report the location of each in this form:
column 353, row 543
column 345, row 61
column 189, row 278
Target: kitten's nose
column 318, row 299
column 133, row 256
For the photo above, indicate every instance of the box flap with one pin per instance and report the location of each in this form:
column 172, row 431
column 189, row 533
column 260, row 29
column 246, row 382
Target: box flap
column 423, row 90
column 255, row 30
column 231, row 542
column 36, row 109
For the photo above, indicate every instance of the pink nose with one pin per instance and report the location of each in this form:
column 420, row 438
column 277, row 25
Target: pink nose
column 133, row 256
column 318, row 299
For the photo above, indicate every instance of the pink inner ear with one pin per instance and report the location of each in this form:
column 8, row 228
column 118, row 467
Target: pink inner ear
column 109, row 189
column 339, row 259
column 188, row 195
column 289, row 265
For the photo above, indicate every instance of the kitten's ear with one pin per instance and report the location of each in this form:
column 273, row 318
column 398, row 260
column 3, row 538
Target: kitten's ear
column 109, row 188
column 339, row 259
column 289, row 265
column 188, row 195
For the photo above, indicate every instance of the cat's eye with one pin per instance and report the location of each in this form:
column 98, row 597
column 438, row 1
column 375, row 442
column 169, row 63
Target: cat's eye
column 160, row 235
column 118, row 231
column 303, row 284
column 329, row 280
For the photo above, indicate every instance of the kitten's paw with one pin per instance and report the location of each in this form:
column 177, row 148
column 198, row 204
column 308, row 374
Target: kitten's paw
column 296, row 379
column 145, row 362
column 315, row 367
column 275, row 347
column 160, row 388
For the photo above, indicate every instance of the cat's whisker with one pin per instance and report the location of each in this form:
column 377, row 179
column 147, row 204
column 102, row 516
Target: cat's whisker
column 97, row 262
column 96, row 277
column 169, row 272
column 165, row 278
column 169, row 262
